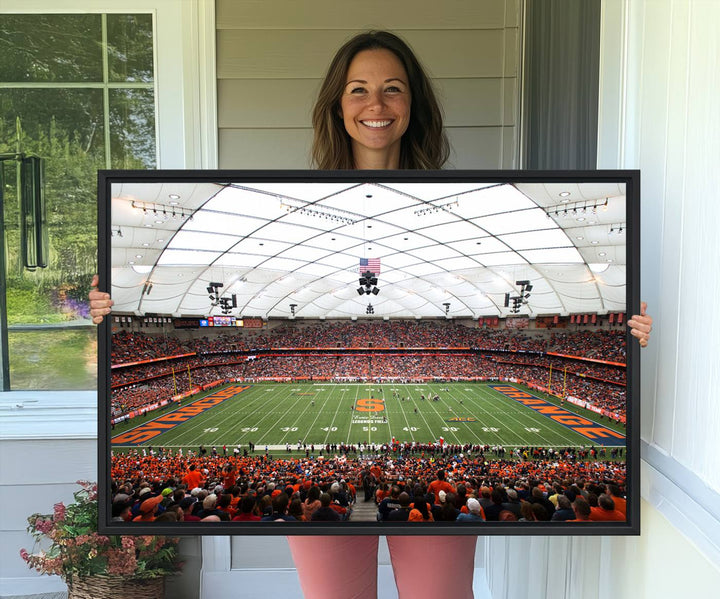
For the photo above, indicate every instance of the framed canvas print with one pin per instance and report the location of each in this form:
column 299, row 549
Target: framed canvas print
column 369, row 352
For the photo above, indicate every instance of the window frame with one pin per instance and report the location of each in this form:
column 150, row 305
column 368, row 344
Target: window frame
column 185, row 102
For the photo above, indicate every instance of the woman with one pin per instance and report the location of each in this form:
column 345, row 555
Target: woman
column 526, row 511
column 312, row 502
column 377, row 110
column 362, row 118
column 420, row 511
column 296, row 510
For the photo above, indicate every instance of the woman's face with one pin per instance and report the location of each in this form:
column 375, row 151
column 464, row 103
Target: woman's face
column 375, row 108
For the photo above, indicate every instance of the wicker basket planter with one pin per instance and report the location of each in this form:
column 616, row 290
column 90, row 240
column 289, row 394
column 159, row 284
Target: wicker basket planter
column 111, row 587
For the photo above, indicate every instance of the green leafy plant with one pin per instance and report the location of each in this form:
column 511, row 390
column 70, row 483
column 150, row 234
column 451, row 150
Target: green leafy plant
column 67, row 544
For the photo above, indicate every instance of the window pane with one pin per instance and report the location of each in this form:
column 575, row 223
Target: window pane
column 130, row 47
column 66, row 127
column 50, row 48
column 52, row 118
column 132, row 128
column 54, row 359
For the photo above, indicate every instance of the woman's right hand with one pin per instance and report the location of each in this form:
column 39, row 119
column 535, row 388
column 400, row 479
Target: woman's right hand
column 100, row 302
column 641, row 325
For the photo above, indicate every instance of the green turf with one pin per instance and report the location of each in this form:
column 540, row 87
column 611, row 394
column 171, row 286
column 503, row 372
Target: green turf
column 274, row 414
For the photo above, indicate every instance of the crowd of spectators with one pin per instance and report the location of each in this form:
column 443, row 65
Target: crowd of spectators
column 599, row 344
column 162, row 385
column 463, row 487
column 603, row 372
column 502, row 356
column 134, row 347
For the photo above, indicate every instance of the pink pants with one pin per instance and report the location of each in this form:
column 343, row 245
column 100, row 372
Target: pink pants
column 343, row 566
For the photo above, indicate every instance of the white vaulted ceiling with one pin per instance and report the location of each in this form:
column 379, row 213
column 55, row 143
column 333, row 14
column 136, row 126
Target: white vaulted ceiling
column 276, row 244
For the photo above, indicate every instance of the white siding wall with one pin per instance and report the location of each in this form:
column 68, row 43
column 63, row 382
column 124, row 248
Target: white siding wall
column 45, row 447
column 660, row 81
column 672, row 128
column 271, row 57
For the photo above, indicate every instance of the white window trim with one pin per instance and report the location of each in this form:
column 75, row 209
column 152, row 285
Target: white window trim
column 186, row 128
column 186, row 118
column 185, row 78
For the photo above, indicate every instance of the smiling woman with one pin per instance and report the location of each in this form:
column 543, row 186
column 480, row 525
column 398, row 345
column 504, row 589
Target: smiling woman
column 374, row 78
column 375, row 108
column 377, row 132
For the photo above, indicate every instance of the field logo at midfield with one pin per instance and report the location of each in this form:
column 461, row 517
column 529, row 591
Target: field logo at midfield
column 462, row 419
column 150, row 430
column 369, row 405
column 587, row 428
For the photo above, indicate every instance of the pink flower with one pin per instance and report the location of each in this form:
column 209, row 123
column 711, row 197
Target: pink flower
column 121, row 562
column 59, row 512
column 43, row 526
column 128, row 543
column 53, row 565
column 72, row 554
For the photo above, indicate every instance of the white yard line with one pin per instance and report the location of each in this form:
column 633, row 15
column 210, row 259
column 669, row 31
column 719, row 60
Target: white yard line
column 262, row 440
column 325, row 442
column 479, row 403
column 261, row 399
column 444, row 424
column 534, row 418
column 317, row 415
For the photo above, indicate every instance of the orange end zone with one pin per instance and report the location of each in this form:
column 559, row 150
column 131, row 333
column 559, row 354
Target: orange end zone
column 587, row 428
column 149, row 430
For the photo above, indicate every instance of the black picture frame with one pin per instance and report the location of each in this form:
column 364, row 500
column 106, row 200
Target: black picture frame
column 630, row 179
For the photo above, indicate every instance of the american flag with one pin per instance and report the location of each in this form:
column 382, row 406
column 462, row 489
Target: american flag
column 370, row 264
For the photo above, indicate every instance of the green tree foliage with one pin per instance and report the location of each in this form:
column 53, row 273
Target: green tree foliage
column 39, row 48
column 70, row 194
column 66, row 127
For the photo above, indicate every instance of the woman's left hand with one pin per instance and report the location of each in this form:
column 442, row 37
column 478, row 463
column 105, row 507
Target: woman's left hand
column 100, row 302
column 641, row 325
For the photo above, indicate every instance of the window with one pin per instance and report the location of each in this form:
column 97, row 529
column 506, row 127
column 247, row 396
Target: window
column 77, row 90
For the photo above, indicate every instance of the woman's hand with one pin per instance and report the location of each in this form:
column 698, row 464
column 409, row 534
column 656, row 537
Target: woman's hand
column 100, row 302
column 641, row 325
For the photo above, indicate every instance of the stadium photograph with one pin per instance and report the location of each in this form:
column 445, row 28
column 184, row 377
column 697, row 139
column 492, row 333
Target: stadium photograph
column 368, row 352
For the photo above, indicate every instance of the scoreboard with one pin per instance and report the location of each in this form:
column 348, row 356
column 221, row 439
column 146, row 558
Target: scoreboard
column 231, row 321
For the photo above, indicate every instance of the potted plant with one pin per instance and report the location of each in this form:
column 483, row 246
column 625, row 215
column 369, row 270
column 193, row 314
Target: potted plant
column 67, row 544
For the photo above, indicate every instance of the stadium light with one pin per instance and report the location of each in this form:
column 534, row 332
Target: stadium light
column 227, row 304
column 213, row 290
column 368, row 283
column 520, row 299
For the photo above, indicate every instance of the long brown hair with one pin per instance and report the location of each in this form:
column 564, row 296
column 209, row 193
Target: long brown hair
column 424, row 144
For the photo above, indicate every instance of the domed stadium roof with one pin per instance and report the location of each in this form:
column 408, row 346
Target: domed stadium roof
column 445, row 249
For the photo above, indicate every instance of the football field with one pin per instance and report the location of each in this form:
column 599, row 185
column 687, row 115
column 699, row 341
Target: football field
column 277, row 414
